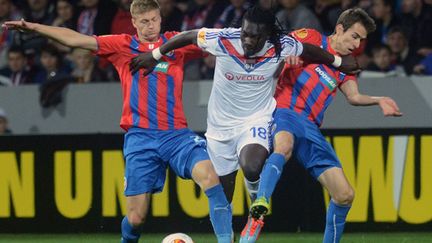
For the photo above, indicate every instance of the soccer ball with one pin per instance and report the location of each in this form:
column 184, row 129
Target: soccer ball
column 177, row 238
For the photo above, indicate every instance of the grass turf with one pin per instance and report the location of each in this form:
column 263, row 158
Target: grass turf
column 209, row 238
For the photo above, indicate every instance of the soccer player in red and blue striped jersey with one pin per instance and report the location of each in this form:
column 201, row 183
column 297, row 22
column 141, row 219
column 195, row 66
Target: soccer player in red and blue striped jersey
column 156, row 130
column 303, row 94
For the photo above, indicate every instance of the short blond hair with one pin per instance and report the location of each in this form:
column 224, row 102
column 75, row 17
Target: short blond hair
column 142, row 6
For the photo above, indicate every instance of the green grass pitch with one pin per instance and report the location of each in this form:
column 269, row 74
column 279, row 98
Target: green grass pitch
column 209, row 238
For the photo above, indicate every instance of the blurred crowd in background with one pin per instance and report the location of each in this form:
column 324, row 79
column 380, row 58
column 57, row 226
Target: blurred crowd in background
column 401, row 45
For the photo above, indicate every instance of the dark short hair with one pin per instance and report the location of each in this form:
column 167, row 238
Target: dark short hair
column 397, row 29
column 356, row 15
column 259, row 15
column 16, row 49
column 378, row 47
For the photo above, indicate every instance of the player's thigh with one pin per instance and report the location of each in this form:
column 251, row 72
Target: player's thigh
column 145, row 171
column 254, row 142
column 187, row 149
column 223, row 155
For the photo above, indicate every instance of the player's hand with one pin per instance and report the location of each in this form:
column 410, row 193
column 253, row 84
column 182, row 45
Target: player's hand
column 349, row 65
column 20, row 25
column 389, row 107
column 143, row 60
column 293, row 61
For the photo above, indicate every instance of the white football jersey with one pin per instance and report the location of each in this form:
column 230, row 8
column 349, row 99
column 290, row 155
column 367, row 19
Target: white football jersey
column 243, row 88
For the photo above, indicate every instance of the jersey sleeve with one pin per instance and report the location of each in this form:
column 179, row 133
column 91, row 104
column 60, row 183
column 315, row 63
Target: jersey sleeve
column 208, row 39
column 190, row 52
column 310, row 36
column 109, row 46
column 346, row 77
column 291, row 47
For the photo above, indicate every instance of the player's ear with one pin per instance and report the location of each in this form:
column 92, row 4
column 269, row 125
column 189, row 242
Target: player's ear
column 339, row 29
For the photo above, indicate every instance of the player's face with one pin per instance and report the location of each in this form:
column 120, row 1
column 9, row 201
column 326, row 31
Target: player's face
column 148, row 25
column 349, row 40
column 253, row 37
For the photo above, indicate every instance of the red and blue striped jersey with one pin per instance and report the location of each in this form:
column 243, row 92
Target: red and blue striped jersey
column 310, row 89
column 153, row 101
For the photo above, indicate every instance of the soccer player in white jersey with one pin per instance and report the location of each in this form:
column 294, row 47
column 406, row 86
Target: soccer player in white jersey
column 248, row 61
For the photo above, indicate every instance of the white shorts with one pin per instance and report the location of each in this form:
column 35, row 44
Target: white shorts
column 224, row 154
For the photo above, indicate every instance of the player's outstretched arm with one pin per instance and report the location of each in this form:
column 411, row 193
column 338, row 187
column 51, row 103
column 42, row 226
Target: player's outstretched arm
column 314, row 54
column 353, row 96
column 149, row 60
column 65, row 36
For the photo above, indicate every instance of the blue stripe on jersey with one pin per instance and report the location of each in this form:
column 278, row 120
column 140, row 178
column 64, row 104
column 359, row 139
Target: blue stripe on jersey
column 298, row 86
column 312, row 98
column 152, row 100
column 324, row 42
column 320, row 116
column 170, row 101
column 134, row 92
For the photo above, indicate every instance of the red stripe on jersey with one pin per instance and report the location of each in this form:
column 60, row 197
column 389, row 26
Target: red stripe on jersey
column 142, row 100
column 319, row 104
column 162, row 111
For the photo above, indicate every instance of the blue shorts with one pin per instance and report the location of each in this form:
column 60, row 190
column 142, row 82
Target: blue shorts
column 148, row 153
column 311, row 149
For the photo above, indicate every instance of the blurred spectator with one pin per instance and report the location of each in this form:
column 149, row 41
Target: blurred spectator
column 7, row 12
column 172, row 16
column 96, row 17
column 205, row 13
column 383, row 13
column 417, row 17
column 381, row 59
column 66, row 17
column 327, row 12
column 85, row 70
column 40, row 11
column 268, row 4
column 17, row 72
column 402, row 53
column 295, row 15
column 4, row 123
column 56, row 76
column 122, row 23
column 424, row 67
column 66, row 14
column 233, row 14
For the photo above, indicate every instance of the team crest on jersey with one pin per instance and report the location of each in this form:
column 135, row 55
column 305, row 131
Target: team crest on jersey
column 162, row 67
column 301, row 33
column 201, row 37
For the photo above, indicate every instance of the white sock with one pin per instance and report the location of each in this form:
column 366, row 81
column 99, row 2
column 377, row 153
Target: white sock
column 252, row 188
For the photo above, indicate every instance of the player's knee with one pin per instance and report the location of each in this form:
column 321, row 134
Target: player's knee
column 208, row 179
column 284, row 147
column 252, row 169
column 136, row 219
column 344, row 197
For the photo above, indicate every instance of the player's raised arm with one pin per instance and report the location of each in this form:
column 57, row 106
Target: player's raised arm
column 65, row 36
column 354, row 97
column 149, row 60
column 315, row 54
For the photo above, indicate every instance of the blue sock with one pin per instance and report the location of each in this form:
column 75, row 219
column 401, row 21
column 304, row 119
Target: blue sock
column 270, row 175
column 129, row 233
column 336, row 215
column 220, row 213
